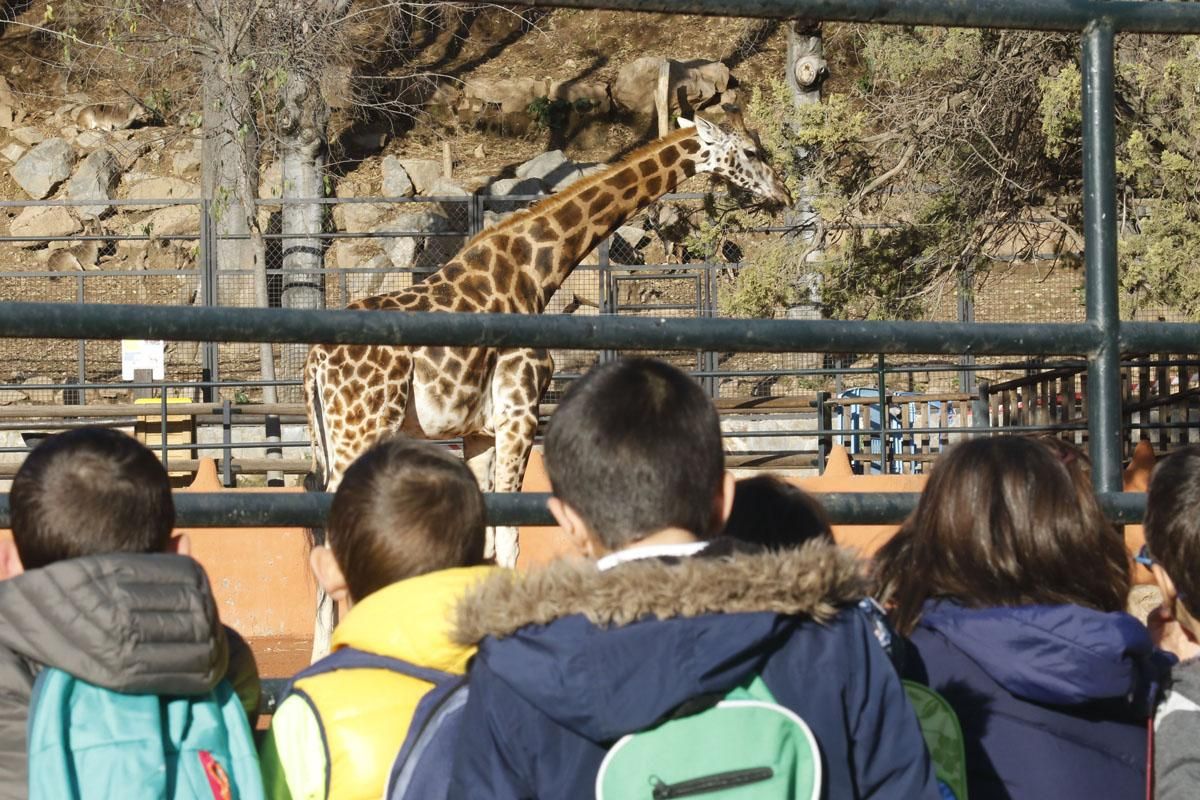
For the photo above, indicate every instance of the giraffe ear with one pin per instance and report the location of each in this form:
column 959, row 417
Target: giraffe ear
column 709, row 132
column 684, row 122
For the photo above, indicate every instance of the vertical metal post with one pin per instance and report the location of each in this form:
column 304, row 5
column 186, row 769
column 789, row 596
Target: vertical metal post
column 1100, row 256
column 227, row 439
column 81, row 298
column 966, row 313
column 208, row 292
column 883, row 415
column 824, row 438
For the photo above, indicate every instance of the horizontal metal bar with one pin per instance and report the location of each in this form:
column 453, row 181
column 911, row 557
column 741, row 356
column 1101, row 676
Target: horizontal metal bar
column 292, row 509
column 1173, row 337
column 113, row 321
column 1061, row 15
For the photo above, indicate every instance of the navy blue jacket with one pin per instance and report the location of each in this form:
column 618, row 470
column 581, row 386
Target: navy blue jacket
column 1053, row 700
column 575, row 658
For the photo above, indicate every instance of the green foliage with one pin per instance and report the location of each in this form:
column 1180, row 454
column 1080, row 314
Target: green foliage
column 1160, row 261
column 551, row 114
column 769, row 282
column 1062, row 116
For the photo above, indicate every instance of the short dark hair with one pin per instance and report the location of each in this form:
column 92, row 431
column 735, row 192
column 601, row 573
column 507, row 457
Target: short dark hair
column 769, row 511
column 1172, row 521
column 1004, row 521
column 404, row 508
column 90, row 491
column 635, row 447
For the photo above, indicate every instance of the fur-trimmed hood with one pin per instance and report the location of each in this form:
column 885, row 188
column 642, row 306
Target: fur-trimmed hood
column 809, row 582
column 604, row 653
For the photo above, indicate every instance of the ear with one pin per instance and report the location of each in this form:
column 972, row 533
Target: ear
column 180, row 544
column 10, row 559
column 684, row 122
column 723, row 502
column 1167, row 587
column 709, row 132
column 328, row 573
column 577, row 531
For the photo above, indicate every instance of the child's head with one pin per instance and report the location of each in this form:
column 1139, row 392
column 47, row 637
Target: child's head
column 1004, row 521
column 90, row 491
column 635, row 448
column 403, row 509
column 769, row 511
column 1172, row 526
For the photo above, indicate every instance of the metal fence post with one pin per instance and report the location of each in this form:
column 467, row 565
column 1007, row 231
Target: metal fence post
column 1100, row 256
column 883, row 415
column 982, row 413
column 209, row 353
column 824, row 424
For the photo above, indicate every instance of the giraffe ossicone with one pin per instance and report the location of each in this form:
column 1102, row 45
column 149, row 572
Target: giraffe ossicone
column 357, row 394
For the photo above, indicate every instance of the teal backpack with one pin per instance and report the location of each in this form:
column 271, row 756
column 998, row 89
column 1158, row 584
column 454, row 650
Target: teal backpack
column 86, row 742
column 943, row 737
column 745, row 746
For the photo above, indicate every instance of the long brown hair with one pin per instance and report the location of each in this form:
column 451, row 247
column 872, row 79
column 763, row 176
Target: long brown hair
column 1004, row 521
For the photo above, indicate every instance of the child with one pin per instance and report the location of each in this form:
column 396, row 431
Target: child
column 578, row 654
column 91, row 589
column 1173, row 540
column 405, row 541
column 769, row 511
column 1011, row 586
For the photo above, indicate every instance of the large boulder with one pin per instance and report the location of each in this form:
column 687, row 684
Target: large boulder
column 544, row 165
column 170, row 221
column 43, row 168
column 165, row 189
column 29, row 135
column 38, row 222
column 637, row 83
column 423, row 172
column 396, row 182
column 411, row 229
column 94, row 180
column 510, row 95
column 518, row 187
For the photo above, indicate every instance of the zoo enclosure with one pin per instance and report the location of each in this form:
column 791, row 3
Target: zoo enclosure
column 1101, row 338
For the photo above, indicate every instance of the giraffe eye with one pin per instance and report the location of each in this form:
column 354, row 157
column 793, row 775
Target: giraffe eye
column 749, row 153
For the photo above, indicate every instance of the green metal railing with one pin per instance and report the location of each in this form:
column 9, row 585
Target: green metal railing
column 1100, row 339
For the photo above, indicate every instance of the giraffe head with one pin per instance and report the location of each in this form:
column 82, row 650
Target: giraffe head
column 733, row 153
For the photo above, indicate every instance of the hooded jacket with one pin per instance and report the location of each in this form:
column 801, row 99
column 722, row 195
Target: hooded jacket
column 338, row 734
column 130, row 623
column 1177, row 735
column 572, row 658
column 1053, row 700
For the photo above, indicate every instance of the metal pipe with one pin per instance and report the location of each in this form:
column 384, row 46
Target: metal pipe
column 113, row 321
column 1100, row 256
column 1057, row 15
column 309, row 509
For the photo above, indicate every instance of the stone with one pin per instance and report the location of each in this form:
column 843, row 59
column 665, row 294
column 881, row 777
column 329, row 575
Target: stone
column 69, row 132
column 543, row 165
column 28, row 135
column 89, row 139
column 396, row 182
column 94, row 179
column 357, row 217
column 444, row 187
column 162, row 189
column 187, row 160
column 519, row 187
column 10, row 396
column 12, row 151
column 170, row 221
column 7, row 97
column 595, row 96
column 637, row 83
column 423, row 172
column 43, row 168
column 42, row 221
column 270, row 181
column 7, row 116
column 402, row 251
column 511, row 95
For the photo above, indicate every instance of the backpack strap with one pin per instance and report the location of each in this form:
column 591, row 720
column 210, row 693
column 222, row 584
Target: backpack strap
column 353, row 658
column 431, row 742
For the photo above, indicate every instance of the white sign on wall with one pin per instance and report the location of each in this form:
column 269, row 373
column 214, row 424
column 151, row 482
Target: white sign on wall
column 141, row 354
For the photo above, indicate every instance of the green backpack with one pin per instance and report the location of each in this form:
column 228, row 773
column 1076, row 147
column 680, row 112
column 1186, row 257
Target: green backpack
column 944, row 738
column 86, row 742
column 744, row 746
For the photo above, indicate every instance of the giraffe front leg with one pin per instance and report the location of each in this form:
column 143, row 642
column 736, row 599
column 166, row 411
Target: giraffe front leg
column 479, row 452
column 514, row 442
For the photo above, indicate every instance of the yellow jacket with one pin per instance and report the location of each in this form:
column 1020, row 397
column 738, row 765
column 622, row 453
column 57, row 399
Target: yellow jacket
column 336, row 736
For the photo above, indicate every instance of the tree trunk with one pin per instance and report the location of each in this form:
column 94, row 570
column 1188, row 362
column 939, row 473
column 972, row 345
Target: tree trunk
column 807, row 71
column 230, row 181
column 305, row 116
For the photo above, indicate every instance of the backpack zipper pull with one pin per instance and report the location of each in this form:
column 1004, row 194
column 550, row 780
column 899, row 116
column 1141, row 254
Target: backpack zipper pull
column 710, row 783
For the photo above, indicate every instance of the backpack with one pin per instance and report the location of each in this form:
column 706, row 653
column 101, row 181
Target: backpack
column 421, row 770
column 422, row 766
column 944, row 738
column 745, row 745
column 87, row 742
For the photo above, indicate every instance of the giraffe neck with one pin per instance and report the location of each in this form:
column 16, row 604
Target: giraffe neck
column 562, row 229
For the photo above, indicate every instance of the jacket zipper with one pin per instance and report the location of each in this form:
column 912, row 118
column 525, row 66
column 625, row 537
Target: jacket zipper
column 711, row 783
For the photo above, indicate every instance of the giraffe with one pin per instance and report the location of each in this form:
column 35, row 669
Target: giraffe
column 357, row 394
